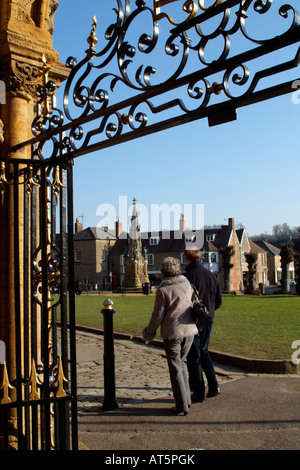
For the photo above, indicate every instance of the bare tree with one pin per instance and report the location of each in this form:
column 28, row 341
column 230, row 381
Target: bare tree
column 251, row 259
column 227, row 254
column 287, row 256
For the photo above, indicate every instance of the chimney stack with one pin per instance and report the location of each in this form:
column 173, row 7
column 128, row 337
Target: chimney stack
column 118, row 226
column 78, row 226
column 231, row 223
column 182, row 223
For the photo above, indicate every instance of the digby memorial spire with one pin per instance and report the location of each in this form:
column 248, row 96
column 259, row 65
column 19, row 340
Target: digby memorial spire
column 136, row 273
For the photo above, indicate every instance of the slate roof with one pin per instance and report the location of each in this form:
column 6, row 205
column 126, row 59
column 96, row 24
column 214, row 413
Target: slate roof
column 168, row 242
column 255, row 248
column 278, row 243
column 222, row 237
column 94, row 233
column 173, row 241
column 268, row 247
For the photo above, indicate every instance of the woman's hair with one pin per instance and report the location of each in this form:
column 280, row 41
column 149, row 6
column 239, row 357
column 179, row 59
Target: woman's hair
column 170, row 267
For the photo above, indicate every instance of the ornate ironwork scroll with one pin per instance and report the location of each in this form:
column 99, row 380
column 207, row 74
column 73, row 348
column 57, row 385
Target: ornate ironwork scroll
column 170, row 69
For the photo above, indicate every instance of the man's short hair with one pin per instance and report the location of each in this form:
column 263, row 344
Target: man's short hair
column 192, row 253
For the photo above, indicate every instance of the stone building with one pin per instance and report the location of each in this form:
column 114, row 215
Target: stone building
column 156, row 246
column 273, row 261
column 92, row 247
column 216, row 240
column 261, row 276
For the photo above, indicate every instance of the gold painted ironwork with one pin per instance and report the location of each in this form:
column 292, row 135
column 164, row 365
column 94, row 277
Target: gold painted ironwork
column 92, row 39
column 190, row 7
column 1, row 132
column 202, row 6
column 30, row 183
column 3, row 181
column 5, row 386
column 34, row 382
column 125, row 119
column 57, row 184
column 216, row 88
column 60, row 379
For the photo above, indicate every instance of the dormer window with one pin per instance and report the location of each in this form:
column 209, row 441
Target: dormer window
column 190, row 238
column 154, row 240
column 210, row 237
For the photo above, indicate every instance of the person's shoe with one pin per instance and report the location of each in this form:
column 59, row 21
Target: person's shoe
column 196, row 399
column 213, row 393
column 179, row 412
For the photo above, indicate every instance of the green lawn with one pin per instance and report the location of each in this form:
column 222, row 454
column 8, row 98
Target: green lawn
column 262, row 327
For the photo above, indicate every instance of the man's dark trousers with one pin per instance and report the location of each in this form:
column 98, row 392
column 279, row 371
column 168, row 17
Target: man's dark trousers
column 199, row 360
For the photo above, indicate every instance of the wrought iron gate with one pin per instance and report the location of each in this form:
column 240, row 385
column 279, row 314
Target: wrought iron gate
column 194, row 86
column 40, row 401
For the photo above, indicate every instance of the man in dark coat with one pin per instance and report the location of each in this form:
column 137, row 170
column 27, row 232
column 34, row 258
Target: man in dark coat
column 199, row 359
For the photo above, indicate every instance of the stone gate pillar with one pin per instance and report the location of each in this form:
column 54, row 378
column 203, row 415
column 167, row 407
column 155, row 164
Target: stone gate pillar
column 26, row 28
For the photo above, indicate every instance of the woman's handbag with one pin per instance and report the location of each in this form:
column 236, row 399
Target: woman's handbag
column 199, row 310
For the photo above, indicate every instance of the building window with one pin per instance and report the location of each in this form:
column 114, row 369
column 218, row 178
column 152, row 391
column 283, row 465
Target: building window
column 77, row 256
column 183, row 258
column 103, row 255
column 154, row 240
column 210, row 237
column 213, row 257
column 150, row 259
column 205, row 258
column 190, row 239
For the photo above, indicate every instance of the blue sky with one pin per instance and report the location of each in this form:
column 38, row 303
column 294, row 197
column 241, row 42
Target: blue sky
column 247, row 169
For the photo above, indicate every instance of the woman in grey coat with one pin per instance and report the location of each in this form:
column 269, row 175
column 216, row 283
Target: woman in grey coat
column 172, row 311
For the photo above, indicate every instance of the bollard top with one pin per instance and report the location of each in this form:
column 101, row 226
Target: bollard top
column 108, row 305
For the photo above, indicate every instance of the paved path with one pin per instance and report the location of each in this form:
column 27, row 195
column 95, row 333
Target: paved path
column 253, row 411
column 141, row 372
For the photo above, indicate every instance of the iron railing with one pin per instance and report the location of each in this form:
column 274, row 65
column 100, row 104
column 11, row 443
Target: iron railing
column 38, row 404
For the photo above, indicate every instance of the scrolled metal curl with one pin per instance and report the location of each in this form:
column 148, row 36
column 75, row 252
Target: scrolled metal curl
column 237, row 78
column 262, row 7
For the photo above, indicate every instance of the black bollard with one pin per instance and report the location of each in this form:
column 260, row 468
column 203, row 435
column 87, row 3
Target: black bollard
column 110, row 402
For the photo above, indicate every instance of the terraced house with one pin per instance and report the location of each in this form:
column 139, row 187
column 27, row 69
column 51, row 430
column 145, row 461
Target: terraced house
column 157, row 246
column 100, row 255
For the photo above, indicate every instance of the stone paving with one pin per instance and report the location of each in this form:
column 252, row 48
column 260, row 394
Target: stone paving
column 141, row 372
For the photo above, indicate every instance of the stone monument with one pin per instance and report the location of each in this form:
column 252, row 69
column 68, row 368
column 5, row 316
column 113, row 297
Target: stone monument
column 136, row 272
